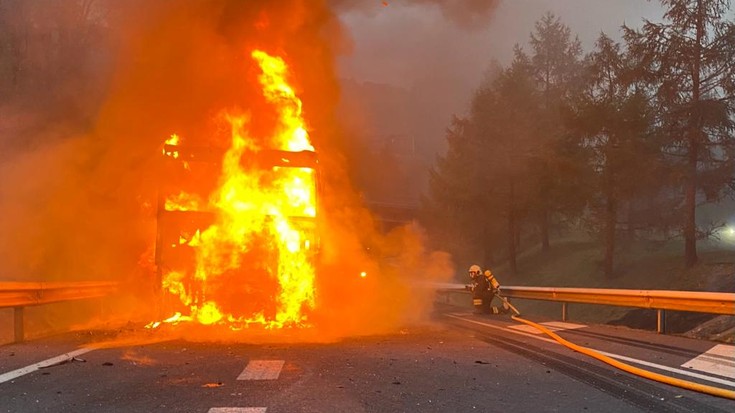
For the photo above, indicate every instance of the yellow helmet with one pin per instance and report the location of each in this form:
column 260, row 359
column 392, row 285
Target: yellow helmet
column 475, row 270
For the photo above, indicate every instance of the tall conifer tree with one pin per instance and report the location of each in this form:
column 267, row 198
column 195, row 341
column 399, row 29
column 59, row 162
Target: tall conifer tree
column 690, row 59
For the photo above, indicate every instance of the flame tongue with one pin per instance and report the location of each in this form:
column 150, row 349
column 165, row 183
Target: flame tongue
column 293, row 136
column 253, row 264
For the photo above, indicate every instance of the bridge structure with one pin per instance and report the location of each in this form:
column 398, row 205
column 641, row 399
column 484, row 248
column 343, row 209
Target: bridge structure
column 393, row 214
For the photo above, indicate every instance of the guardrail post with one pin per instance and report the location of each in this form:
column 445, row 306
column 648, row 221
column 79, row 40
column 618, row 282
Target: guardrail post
column 18, row 316
column 660, row 321
column 564, row 312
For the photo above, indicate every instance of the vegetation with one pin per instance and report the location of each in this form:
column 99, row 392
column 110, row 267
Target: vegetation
column 624, row 142
column 647, row 265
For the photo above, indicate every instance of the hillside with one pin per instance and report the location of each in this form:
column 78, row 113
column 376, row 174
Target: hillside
column 576, row 262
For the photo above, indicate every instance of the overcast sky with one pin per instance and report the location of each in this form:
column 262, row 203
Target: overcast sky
column 421, row 46
column 404, row 45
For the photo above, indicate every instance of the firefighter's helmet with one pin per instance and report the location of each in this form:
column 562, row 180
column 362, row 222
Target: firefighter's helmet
column 475, row 270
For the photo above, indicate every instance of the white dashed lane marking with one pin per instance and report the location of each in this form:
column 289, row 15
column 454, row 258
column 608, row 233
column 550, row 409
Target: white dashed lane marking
column 11, row 375
column 262, row 370
column 551, row 325
column 719, row 360
column 255, row 370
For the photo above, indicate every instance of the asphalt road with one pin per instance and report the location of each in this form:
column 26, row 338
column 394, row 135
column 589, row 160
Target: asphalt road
column 459, row 362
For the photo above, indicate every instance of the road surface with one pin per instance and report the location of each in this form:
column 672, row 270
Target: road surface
column 455, row 362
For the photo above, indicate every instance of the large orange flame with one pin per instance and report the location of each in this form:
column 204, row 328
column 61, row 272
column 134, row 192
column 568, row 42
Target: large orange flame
column 293, row 136
column 261, row 244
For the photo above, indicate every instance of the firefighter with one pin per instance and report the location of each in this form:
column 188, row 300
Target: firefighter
column 475, row 272
column 484, row 287
column 479, row 288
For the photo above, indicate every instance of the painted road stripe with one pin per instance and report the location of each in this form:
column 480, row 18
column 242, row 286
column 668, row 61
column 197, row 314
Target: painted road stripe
column 615, row 356
column 719, row 360
column 262, row 370
column 12, row 375
column 237, row 410
column 551, row 325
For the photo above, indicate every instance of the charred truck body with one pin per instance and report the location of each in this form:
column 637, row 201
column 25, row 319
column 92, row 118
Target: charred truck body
column 237, row 235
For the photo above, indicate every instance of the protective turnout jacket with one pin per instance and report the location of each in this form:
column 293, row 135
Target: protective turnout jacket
column 484, row 288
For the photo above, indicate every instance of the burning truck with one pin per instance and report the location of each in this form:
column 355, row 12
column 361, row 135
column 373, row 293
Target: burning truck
column 237, row 236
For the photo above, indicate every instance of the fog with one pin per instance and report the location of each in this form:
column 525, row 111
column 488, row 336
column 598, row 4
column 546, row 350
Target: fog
column 401, row 45
column 414, row 60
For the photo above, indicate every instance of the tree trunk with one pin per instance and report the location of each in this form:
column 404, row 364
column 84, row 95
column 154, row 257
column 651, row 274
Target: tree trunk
column 512, row 231
column 544, row 228
column 690, row 206
column 610, row 224
column 690, row 200
column 629, row 227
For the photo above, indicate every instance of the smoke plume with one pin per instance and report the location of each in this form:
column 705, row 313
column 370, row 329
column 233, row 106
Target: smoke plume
column 464, row 13
column 82, row 205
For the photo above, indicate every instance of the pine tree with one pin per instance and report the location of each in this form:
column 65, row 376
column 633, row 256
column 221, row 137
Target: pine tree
column 456, row 206
column 504, row 115
column 690, row 61
column 555, row 65
column 612, row 126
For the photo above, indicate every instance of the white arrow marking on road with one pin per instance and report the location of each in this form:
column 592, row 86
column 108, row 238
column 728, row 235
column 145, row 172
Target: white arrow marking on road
column 262, row 370
column 719, row 360
column 11, row 375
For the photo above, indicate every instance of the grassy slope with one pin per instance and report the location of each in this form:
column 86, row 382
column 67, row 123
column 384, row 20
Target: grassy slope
column 642, row 265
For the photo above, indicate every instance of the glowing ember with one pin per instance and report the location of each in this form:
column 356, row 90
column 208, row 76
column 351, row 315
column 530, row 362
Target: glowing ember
column 254, row 263
column 184, row 202
column 174, row 140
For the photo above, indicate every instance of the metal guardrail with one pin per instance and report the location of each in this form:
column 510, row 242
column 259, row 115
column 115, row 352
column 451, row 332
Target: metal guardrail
column 18, row 295
column 659, row 300
column 696, row 301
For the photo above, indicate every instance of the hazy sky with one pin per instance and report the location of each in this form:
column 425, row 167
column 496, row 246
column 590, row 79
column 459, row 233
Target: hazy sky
column 405, row 45
column 427, row 49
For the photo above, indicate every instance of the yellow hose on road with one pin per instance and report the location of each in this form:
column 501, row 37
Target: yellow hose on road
column 702, row 388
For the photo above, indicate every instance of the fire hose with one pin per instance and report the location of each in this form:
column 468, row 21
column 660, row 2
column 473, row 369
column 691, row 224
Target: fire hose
column 685, row 384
